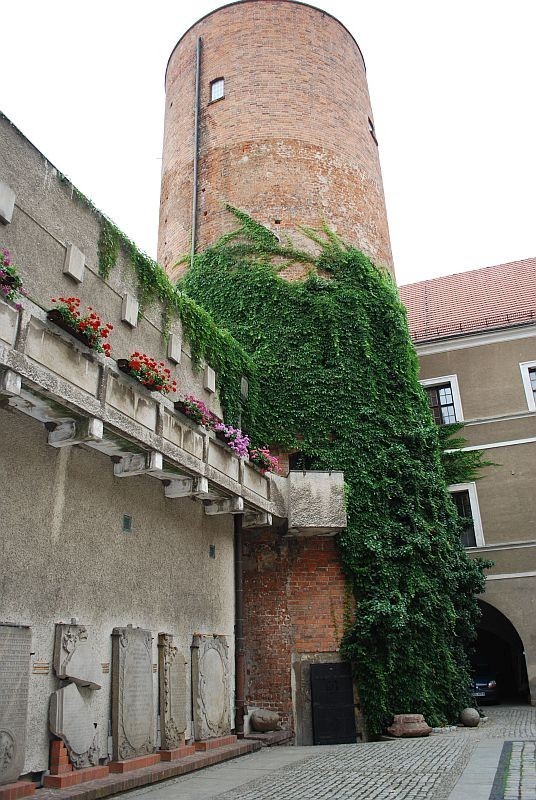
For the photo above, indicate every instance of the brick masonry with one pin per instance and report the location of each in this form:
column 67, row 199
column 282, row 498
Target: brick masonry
column 115, row 783
column 290, row 141
column 13, row 791
column 294, row 593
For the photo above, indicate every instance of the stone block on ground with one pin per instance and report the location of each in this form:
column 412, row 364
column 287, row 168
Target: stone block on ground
column 409, row 726
column 263, row 720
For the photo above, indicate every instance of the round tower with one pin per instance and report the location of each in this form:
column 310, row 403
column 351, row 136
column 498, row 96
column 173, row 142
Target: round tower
column 267, row 109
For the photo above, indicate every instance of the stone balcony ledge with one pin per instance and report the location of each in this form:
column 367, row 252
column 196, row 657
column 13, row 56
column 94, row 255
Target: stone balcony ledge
column 76, row 392
column 83, row 398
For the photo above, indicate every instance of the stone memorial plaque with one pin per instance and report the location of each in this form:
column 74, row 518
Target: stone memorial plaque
column 133, row 723
column 71, row 719
column 15, row 646
column 173, row 692
column 210, row 686
column 73, row 658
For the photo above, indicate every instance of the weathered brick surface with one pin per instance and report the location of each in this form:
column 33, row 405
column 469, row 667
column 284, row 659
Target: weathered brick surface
column 294, row 603
column 289, row 142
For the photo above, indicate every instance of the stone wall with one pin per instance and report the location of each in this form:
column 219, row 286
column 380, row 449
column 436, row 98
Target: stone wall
column 289, row 143
column 48, row 216
column 64, row 555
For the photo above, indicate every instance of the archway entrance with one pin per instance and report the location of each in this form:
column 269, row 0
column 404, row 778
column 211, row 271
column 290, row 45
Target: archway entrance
column 500, row 652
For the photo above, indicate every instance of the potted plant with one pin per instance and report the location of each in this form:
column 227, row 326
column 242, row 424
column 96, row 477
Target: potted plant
column 88, row 329
column 151, row 373
column 10, row 280
column 197, row 411
column 263, row 460
column 233, row 437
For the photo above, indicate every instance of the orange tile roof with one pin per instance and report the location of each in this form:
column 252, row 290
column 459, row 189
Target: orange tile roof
column 482, row 299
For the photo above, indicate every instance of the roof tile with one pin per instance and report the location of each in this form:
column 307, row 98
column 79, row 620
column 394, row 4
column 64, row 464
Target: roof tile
column 491, row 297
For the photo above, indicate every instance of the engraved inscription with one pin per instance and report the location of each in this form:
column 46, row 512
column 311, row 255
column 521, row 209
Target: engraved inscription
column 132, row 693
column 137, row 694
column 15, row 644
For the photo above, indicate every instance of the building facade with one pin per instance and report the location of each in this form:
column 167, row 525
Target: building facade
column 119, row 514
column 475, row 335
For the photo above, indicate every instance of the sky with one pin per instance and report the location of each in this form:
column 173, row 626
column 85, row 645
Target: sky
column 452, row 88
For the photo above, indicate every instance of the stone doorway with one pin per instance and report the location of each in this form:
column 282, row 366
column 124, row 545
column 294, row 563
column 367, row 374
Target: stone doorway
column 301, row 696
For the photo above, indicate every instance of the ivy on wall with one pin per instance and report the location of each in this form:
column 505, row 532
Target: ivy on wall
column 208, row 342
column 339, row 382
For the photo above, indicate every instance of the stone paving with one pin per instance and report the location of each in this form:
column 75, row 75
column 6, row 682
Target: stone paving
column 414, row 769
column 520, row 779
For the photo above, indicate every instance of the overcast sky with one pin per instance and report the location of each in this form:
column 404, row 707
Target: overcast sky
column 452, row 87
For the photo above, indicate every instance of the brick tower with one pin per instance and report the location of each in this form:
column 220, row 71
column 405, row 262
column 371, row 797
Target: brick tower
column 267, row 109
column 271, row 96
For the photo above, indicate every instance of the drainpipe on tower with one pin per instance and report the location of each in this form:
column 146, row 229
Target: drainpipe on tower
column 196, row 147
column 240, row 652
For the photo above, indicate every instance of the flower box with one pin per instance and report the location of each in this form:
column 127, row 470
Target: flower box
column 88, row 329
column 180, row 405
column 57, row 318
column 148, row 373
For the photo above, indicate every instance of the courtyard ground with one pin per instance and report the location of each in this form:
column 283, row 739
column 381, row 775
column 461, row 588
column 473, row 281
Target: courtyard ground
column 495, row 761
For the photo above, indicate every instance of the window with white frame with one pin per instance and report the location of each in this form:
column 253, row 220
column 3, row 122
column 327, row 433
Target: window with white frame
column 444, row 399
column 217, row 89
column 528, row 375
column 465, row 499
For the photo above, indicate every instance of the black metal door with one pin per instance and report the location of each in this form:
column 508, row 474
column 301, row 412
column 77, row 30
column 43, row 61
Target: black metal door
column 332, row 698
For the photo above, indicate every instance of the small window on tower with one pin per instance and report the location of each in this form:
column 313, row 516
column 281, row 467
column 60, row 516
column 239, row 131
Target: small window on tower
column 372, row 130
column 217, row 89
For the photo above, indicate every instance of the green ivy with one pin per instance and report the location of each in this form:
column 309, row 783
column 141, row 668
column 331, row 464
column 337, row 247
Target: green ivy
column 208, row 342
column 339, row 382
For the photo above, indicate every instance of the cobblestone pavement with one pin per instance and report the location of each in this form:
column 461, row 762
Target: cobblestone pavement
column 414, row 769
column 520, row 782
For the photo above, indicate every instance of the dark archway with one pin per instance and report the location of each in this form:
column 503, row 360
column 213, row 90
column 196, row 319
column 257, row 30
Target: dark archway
column 499, row 648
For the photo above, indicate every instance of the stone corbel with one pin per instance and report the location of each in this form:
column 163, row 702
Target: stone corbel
column 10, row 383
column 187, row 487
column 257, row 519
column 71, row 432
column 139, row 464
column 227, row 505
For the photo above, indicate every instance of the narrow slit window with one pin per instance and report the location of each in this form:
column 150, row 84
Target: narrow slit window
column 372, row 130
column 217, row 89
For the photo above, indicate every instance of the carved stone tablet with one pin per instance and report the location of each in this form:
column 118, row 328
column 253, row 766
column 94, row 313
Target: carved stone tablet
column 210, row 686
column 73, row 658
column 70, row 719
column 15, row 646
column 173, row 697
column 133, row 724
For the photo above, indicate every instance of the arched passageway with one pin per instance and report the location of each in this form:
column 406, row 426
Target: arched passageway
column 499, row 652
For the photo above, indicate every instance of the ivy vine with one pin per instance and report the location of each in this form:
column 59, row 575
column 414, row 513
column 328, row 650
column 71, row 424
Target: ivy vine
column 338, row 379
column 208, row 342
